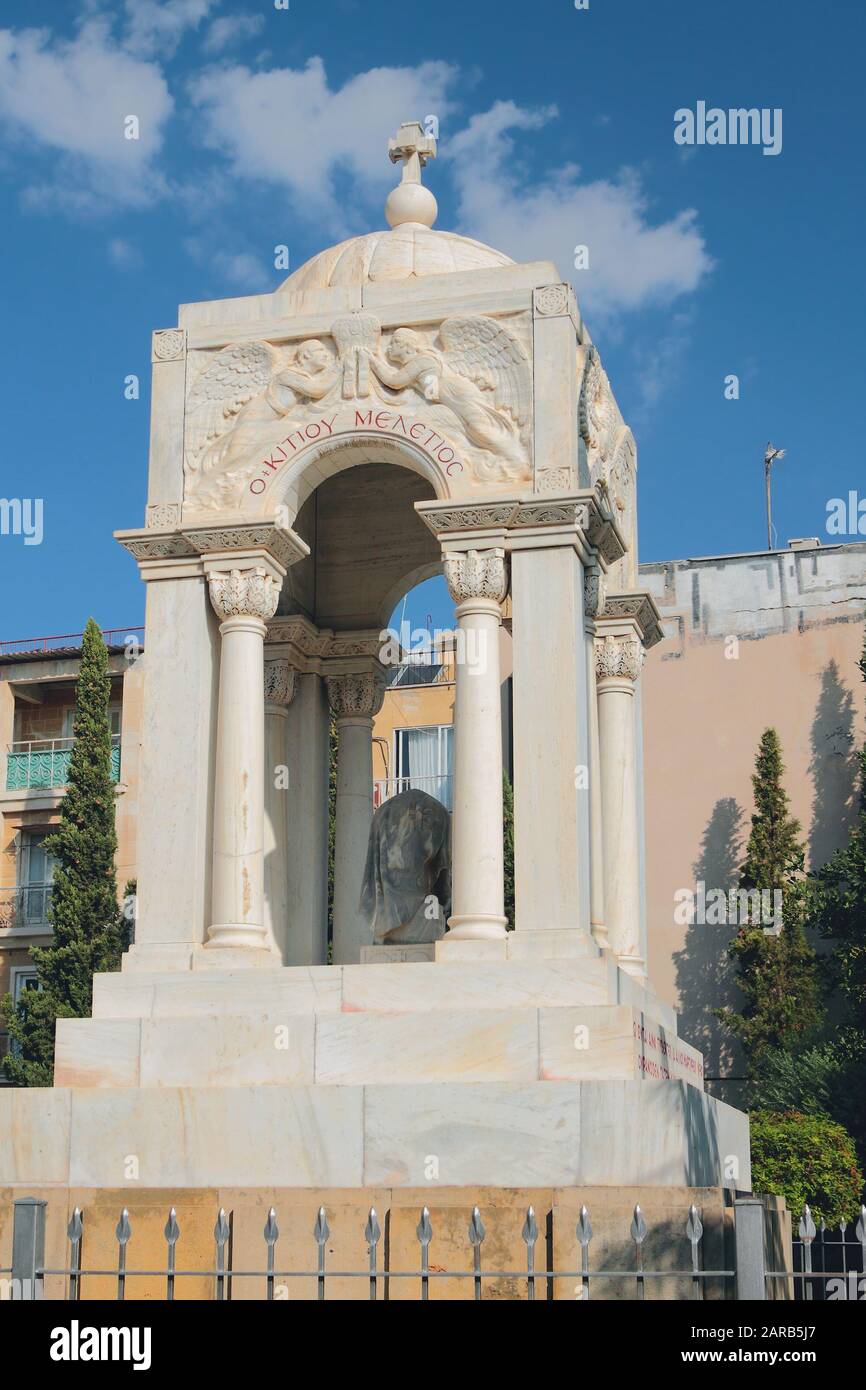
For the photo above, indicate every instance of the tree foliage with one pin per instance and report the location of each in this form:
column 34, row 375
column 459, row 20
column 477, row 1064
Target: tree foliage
column 806, row 1159
column 88, row 925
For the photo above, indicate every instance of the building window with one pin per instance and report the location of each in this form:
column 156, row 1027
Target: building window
column 423, row 759
column 35, row 877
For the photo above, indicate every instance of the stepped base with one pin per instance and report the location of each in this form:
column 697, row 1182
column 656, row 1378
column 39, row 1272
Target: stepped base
column 601, row 1133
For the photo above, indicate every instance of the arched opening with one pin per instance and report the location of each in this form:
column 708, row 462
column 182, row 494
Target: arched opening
column 368, row 546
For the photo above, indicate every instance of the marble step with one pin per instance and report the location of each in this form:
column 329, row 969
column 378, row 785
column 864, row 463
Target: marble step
column 609, row 1133
column 410, row 987
column 277, row 1048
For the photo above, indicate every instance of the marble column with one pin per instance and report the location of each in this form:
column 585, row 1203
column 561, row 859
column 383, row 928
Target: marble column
column 594, row 585
column 307, row 846
column 355, row 699
column 619, row 657
column 279, row 692
column 478, row 582
column 243, row 599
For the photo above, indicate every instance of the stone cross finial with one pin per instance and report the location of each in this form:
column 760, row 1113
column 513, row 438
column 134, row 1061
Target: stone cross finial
column 412, row 146
column 411, row 201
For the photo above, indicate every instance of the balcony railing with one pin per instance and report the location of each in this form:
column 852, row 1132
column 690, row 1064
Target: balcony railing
column 438, row 786
column 42, row 763
column 68, row 641
column 25, row 907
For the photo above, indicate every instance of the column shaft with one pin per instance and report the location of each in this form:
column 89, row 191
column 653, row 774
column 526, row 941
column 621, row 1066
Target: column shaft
column 478, row 582
column 243, row 599
column 355, row 698
column 618, row 661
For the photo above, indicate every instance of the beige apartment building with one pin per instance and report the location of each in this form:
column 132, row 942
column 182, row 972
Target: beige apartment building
column 749, row 640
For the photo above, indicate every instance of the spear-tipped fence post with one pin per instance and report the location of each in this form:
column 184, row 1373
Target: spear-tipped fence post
column 271, row 1233
column 476, row 1236
column 843, row 1231
column 694, row 1231
column 172, row 1235
column 807, row 1235
column 424, row 1232
column 638, row 1235
column 321, row 1231
column 530, row 1236
column 584, row 1235
column 222, row 1235
column 74, row 1231
column 122, row 1231
column 372, row 1232
column 860, row 1231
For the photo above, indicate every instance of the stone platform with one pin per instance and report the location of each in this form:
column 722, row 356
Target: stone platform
column 499, row 1073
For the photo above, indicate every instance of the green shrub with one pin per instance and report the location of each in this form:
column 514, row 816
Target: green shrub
column 806, row 1158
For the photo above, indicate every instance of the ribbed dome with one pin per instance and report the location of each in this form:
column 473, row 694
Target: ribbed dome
column 404, row 253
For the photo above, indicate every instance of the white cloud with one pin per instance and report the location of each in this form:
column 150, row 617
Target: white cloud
column 633, row 263
column 232, row 29
column 289, row 128
column 158, row 26
column 73, row 97
column 123, row 254
column 242, row 269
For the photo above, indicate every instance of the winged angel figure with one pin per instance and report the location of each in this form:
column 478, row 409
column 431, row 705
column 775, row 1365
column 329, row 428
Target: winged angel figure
column 482, row 377
column 243, row 391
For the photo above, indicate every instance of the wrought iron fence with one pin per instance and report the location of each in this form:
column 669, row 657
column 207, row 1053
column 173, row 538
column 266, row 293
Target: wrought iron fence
column 823, row 1267
column 830, row 1267
column 28, row 1270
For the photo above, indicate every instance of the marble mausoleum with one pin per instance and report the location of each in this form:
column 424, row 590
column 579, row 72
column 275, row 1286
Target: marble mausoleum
column 408, row 403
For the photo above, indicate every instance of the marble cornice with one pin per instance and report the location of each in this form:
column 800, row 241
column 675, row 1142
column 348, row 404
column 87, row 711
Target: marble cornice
column 509, row 519
column 638, row 607
column 283, row 546
column 322, row 650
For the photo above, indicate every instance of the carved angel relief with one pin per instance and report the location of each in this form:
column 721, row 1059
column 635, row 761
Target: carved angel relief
column 464, row 395
column 611, row 457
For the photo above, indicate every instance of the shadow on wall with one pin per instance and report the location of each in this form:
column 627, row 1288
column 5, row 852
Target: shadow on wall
column 705, row 972
column 833, row 768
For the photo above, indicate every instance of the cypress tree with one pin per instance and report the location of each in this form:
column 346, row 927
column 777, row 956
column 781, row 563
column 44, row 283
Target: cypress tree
column 87, row 922
column 774, row 854
column 777, row 970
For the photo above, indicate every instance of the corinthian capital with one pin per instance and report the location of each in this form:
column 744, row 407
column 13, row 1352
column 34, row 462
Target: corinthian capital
column 477, row 574
column 280, row 680
column 251, row 593
column 356, row 696
column 618, row 658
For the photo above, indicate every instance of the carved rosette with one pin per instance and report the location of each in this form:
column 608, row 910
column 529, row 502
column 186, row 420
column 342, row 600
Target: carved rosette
column 251, row 593
column 357, row 695
column 169, row 344
column 477, row 574
column 618, row 658
column 280, row 681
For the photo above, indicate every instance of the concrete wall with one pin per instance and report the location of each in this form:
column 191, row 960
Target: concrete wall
column 751, row 641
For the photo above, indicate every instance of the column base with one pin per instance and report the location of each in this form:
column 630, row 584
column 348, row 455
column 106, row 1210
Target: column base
column 633, row 965
column 477, row 926
column 239, row 935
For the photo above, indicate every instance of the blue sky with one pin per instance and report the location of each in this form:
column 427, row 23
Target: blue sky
column 262, row 126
